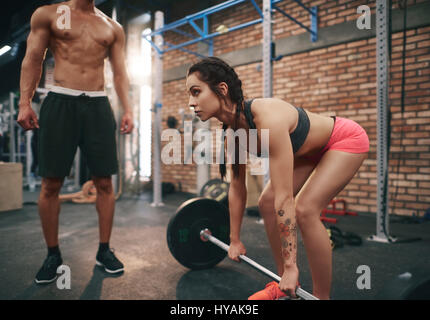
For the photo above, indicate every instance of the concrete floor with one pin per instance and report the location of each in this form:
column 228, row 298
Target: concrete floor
column 151, row 273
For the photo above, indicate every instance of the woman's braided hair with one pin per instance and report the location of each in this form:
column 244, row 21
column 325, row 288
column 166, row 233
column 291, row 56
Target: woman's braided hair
column 213, row 71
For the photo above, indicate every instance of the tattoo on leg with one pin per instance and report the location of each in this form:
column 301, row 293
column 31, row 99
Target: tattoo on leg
column 281, row 213
column 286, row 254
column 288, row 232
column 284, row 230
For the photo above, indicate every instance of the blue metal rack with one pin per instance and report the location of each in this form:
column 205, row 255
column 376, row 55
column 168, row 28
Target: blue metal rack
column 203, row 34
column 313, row 30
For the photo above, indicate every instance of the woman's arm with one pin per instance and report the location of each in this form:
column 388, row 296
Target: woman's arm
column 281, row 175
column 237, row 202
column 279, row 122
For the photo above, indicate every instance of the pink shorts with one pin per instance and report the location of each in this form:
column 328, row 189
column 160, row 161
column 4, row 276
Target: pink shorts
column 347, row 136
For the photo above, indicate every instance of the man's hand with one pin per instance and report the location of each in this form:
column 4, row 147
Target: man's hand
column 27, row 118
column 127, row 123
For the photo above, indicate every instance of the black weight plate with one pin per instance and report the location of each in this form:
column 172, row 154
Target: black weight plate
column 411, row 285
column 183, row 233
column 216, row 189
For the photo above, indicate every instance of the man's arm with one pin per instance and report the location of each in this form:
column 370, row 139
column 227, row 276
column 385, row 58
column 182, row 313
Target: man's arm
column 117, row 60
column 37, row 44
column 120, row 77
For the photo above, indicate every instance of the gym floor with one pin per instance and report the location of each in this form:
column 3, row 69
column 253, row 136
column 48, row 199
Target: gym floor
column 151, row 273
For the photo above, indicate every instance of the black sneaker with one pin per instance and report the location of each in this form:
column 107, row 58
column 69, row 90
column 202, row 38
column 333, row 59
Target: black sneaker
column 48, row 272
column 108, row 260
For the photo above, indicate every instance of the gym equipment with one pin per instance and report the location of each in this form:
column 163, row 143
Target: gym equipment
column 383, row 51
column 216, row 189
column 411, row 285
column 336, row 211
column 206, row 235
column 88, row 194
column 183, row 233
column 194, row 233
column 345, row 237
column 334, row 241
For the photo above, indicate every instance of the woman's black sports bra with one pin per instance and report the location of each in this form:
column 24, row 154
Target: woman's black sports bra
column 298, row 136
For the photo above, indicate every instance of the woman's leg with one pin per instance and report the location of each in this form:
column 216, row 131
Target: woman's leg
column 302, row 169
column 334, row 171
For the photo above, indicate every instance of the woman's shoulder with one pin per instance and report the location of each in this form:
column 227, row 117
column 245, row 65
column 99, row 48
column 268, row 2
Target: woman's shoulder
column 268, row 108
column 275, row 103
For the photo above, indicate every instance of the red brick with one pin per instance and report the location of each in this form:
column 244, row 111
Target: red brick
column 423, row 44
column 418, row 38
column 356, row 44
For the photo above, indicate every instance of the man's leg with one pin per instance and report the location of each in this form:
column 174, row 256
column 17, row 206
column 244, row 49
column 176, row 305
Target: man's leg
column 105, row 206
column 49, row 211
column 99, row 148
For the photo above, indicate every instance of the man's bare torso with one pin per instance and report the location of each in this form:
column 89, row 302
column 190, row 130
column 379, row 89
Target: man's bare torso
column 80, row 37
column 81, row 47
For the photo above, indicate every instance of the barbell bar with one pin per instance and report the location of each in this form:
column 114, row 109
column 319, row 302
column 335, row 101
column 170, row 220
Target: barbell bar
column 205, row 235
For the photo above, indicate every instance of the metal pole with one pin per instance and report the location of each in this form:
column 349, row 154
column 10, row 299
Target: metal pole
column 382, row 71
column 203, row 170
column 299, row 291
column 29, row 155
column 158, row 94
column 267, row 57
column 267, row 49
column 12, row 127
column 77, row 173
column 115, row 176
column 18, row 143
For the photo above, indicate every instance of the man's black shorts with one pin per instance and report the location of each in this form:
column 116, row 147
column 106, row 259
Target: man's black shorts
column 67, row 122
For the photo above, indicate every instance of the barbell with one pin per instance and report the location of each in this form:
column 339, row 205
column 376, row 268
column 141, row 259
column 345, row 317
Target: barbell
column 196, row 237
column 206, row 235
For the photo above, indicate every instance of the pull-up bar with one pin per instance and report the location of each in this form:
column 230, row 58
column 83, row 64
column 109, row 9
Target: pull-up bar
column 204, row 34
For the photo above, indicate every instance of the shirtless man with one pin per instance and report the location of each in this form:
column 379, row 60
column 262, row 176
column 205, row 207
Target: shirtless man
column 75, row 113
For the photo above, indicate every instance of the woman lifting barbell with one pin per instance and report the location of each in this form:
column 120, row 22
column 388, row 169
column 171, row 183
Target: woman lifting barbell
column 312, row 158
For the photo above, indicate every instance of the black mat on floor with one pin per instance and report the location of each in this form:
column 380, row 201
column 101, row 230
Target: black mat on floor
column 139, row 239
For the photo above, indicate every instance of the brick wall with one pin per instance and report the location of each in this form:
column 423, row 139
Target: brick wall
column 338, row 80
